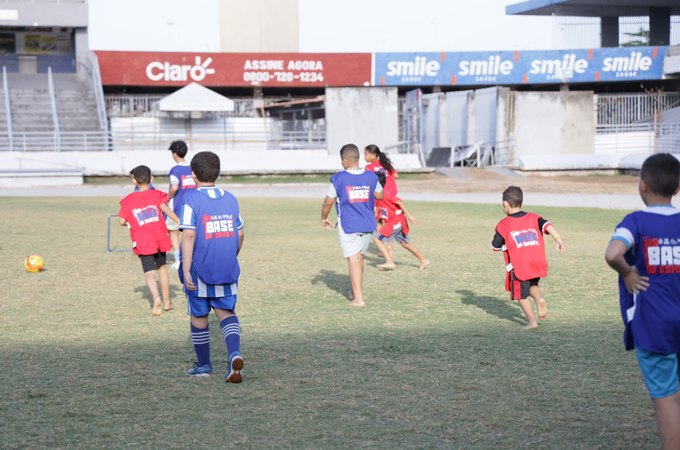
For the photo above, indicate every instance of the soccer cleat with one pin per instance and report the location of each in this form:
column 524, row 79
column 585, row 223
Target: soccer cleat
column 235, row 367
column 200, row 371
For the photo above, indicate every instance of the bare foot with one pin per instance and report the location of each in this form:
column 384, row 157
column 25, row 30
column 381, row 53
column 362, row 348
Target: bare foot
column 531, row 326
column 424, row 264
column 357, row 303
column 156, row 310
column 351, row 295
column 167, row 306
column 542, row 309
column 386, row 266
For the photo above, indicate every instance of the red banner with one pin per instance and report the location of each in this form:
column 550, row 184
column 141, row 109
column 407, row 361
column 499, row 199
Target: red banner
column 235, row 69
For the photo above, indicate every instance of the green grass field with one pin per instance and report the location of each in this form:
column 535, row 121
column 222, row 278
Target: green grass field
column 435, row 360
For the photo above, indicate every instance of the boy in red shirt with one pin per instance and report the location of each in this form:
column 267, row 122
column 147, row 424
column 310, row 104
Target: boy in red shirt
column 141, row 212
column 520, row 237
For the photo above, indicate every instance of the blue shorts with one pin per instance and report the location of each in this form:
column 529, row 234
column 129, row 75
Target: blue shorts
column 200, row 306
column 660, row 372
column 397, row 234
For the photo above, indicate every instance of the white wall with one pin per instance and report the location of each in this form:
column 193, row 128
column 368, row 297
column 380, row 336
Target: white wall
column 361, row 116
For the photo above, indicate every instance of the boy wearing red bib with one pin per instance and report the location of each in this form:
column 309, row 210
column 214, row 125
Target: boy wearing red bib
column 520, row 237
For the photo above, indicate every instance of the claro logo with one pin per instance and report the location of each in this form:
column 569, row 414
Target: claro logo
column 165, row 71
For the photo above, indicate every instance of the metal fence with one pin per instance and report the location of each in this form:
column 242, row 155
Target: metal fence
column 147, row 106
column 637, row 138
column 94, row 141
column 621, row 109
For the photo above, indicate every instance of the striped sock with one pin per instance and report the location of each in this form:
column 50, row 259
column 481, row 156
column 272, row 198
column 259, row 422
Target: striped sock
column 231, row 330
column 201, row 340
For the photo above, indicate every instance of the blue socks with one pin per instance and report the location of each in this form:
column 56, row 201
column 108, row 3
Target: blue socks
column 231, row 330
column 201, row 340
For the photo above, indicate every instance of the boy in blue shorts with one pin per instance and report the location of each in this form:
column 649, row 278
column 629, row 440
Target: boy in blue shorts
column 645, row 251
column 212, row 236
column 353, row 191
column 180, row 180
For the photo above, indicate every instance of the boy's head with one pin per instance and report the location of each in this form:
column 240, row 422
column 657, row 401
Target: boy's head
column 660, row 174
column 179, row 148
column 512, row 198
column 141, row 175
column 349, row 153
column 206, row 166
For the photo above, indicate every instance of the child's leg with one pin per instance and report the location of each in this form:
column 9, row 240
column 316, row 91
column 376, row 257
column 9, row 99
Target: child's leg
column 164, row 281
column 668, row 419
column 424, row 262
column 150, row 278
column 200, row 337
column 356, row 278
column 541, row 305
column 174, row 238
column 231, row 330
column 389, row 262
column 528, row 311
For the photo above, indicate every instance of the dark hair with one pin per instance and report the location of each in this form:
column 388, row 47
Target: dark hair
column 382, row 178
column 514, row 196
column 141, row 174
column 661, row 172
column 179, row 148
column 350, row 152
column 206, row 166
column 382, row 157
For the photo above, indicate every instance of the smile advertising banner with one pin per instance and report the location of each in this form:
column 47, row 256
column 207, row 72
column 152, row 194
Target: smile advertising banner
column 519, row 67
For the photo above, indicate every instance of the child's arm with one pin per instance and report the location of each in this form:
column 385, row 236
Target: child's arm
column 241, row 236
column 328, row 203
column 555, row 235
column 188, row 239
column 400, row 203
column 169, row 212
column 614, row 257
column 122, row 221
column 174, row 187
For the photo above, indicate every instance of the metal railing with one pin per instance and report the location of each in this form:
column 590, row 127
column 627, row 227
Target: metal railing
column 615, row 109
column 637, row 138
column 53, row 105
column 147, row 106
column 91, row 65
column 8, row 110
column 98, row 141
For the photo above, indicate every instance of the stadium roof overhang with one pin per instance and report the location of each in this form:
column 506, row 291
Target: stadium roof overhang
column 590, row 8
column 196, row 98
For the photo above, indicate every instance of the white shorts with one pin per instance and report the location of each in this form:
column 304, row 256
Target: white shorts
column 171, row 224
column 354, row 243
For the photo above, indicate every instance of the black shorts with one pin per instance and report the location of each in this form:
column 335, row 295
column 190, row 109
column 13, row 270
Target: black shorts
column 152, row 262
column 520, row 289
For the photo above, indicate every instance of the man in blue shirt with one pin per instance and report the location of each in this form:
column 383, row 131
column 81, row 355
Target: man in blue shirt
column 645, row 251
column 353, row 191
column 212, row 236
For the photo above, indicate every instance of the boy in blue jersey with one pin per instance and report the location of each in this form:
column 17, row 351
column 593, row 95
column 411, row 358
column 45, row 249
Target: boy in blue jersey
column 353, row 191
column 180, row 180
column 212, row 236
column 645, row 251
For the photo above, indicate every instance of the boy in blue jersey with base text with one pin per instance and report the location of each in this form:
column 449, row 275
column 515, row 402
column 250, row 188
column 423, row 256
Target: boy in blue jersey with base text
column 212, row 236
column 353, row 191
column 645, row 251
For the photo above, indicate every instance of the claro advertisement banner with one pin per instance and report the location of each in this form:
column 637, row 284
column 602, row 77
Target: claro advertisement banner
column 235, row 69
column 519, row 67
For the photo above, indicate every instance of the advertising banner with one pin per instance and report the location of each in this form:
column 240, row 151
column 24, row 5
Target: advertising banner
column 235, row 69
column 519, row 67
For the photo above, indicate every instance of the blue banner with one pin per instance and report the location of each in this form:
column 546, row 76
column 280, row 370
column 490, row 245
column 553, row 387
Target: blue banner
column 518, row 67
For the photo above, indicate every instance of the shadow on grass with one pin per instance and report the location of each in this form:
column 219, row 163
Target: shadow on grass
column 493, row 305
column 334, row 281
column 175, row 292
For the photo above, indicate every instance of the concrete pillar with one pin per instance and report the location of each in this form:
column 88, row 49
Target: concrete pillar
column 659, row 26
column 609, row 32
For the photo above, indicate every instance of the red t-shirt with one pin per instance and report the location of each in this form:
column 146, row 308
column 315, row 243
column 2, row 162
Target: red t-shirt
column 142, row 211
column 525, row 247
column 390, row 182
column 389, row 211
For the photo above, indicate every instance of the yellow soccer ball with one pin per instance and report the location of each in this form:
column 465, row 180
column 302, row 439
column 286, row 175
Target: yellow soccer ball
column 34, row 263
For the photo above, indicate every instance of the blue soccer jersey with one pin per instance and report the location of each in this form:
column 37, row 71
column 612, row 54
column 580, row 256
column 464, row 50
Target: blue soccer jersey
column 214, row 214
column 355, row 191
column 652, row 317
column 181, row 176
